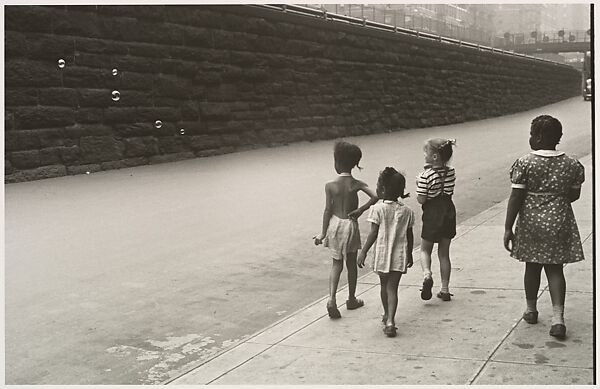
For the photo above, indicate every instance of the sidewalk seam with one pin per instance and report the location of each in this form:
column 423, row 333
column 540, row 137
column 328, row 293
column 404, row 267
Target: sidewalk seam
column 500, row 343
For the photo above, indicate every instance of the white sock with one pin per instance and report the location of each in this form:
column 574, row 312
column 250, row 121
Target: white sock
column 531, row 305
column 558, row 316
column 427, row 274
column 445, row 288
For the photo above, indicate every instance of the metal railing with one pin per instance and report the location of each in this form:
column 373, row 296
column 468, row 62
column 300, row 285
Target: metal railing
column 398, row 17
column 364, row 22
column 541, row 37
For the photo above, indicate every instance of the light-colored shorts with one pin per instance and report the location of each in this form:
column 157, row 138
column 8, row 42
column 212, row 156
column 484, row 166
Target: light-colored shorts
column 342, row 237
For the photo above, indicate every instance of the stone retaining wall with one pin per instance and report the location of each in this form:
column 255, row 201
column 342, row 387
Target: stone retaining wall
column 232, row 78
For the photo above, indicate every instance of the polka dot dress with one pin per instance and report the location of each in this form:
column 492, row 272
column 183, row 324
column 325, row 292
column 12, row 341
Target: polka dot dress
column 546, row 230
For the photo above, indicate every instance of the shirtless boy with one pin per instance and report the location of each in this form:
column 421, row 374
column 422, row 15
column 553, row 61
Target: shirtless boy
column 340, row 226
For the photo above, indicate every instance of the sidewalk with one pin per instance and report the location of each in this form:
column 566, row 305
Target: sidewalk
column 477, row 338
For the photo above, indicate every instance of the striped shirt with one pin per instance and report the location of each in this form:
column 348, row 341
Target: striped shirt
column 429, row 182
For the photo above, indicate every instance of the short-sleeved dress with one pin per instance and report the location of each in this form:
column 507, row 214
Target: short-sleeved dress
column 391, row 247
column 546, row 230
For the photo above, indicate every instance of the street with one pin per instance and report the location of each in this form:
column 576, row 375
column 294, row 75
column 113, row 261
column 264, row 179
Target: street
column 130, row 276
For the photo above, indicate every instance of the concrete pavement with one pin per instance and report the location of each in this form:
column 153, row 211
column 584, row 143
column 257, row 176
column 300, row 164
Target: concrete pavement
column 477, row 338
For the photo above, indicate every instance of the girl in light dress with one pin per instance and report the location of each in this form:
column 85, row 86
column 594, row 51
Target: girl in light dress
column 391, row 233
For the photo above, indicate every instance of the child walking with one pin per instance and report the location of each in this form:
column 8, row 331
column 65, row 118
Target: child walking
column 391, row 232
column 544, row 183
column 340, row 226
column 435, row 187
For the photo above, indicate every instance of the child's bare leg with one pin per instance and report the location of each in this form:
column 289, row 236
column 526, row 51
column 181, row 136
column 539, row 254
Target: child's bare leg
column 383, row 279
column 531, row 280
column 426, row 249
column 334, row 279
column 557, row 286
column 392, row 296
column 352, row 270
column 445, row 265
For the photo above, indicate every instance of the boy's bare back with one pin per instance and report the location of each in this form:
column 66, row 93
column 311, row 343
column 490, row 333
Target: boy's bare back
column 343, row 195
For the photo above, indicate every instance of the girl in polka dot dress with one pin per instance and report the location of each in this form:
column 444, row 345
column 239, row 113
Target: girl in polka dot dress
column 544, row 183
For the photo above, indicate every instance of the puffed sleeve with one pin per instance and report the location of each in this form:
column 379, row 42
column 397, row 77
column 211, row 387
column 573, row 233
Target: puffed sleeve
column 579, row 176
column 374, row 215
column 518, row 174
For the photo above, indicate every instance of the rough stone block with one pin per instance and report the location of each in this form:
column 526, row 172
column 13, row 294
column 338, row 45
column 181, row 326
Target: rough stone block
column 129, row 162
column 75, row 23
column 89, row 115
column 28, row 18
column 203, row 142
column 70, row 155
column 173, row 144
column 25, row 159
column 214, row 110
column 23, row 72
column 21, row 140
column 95, row 149
column 40, row 116
column 76, row 77
column 94, row 97
column 50, row 137
column 120, row 115
column 83, row 169
column 138, row 147
column 140, row 129
column 20, row 96
column 15, row 44
column 170, row 157
column 49, row 156
column 58, row 97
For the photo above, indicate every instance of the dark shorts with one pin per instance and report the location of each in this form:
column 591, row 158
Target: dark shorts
column 439, row 219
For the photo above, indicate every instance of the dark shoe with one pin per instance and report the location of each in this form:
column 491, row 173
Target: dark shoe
column 445, row 296
column 426, row 290
column 333, row 312
column 558, row 331
column 390, row 331
column 353, row 304
column 530, row 317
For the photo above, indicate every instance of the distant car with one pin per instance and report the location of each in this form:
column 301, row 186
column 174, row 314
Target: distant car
column 587, row 90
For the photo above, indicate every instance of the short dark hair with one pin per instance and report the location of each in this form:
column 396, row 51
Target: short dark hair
column 384, row 183
column 347, row 155
column 548, row 127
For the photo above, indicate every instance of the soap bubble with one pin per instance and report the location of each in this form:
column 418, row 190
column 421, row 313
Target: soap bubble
column 61, row 63
column 116, row 95
column 182, row 131
column 158, row 124
column 115, row 71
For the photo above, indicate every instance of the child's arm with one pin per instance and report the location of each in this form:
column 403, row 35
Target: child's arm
column 370, row 240
column 515, row 202
column 409, row 248
column 373, row 199
column 422, row 187
column 326, row 216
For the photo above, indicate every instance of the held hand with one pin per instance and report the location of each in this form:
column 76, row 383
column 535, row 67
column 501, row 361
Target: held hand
column 354, row 215
column 360, row 260
column 318, row 239
column 409, row 260
column 509, row 240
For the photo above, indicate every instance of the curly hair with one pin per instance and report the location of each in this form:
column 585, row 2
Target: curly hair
column 347, row 155
column 387, row 184
column 548, row 127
